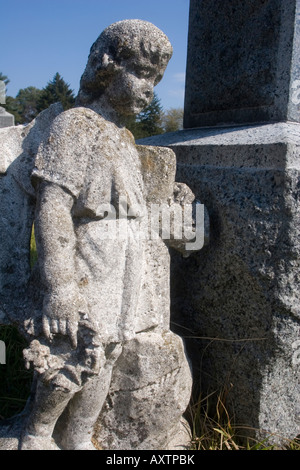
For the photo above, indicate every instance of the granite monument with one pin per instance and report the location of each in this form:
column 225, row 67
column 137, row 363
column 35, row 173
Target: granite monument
column 240, row 154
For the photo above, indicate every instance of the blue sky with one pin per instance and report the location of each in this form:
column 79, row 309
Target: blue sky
column 41, row 37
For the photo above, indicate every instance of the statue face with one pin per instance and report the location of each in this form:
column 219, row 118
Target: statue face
column 131, row 90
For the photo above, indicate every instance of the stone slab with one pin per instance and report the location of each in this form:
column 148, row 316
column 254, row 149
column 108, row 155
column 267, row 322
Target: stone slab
column 220, row 146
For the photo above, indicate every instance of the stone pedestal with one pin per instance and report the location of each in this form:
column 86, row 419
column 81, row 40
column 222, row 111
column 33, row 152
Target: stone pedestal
column 6, row 119
column 239, row 296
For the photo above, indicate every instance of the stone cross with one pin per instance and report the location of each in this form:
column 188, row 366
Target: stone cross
column 243, row 62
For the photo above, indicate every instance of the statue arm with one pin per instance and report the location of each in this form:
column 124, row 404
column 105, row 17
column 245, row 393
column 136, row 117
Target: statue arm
column 56, row 243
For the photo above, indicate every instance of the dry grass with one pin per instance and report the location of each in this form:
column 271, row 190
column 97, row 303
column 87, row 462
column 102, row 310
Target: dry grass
column 214, row 429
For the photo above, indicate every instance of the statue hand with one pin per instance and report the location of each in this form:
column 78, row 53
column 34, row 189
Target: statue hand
column 183, row 194
column 61, row 311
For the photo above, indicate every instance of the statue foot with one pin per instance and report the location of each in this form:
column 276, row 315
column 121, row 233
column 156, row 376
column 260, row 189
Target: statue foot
column 31, row 442
column 88, row 445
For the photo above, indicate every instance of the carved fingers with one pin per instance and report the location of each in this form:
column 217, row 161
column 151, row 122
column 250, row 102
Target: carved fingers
column 61, row 314
column 53, row 327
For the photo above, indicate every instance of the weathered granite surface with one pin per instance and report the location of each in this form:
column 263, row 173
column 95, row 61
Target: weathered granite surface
column 243, row 62
column 240, row 294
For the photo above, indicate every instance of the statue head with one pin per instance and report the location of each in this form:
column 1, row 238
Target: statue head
column 126, row 61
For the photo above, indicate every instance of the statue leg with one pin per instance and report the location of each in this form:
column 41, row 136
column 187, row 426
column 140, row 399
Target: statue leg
column 47, row 406
column 75, row 427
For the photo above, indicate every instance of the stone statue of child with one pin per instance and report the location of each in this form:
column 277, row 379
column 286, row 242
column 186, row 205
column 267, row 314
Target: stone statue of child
column 86, row 170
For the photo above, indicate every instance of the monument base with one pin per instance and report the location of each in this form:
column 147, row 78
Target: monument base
column 240, row 295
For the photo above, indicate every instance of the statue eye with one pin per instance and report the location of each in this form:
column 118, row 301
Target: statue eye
column 144, row 72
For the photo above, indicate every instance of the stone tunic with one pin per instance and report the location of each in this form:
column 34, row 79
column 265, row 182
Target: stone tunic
column 98, row 164
column 125, row 280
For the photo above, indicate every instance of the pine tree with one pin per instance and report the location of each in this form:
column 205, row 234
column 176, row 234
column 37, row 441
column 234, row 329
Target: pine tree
column 148, row 122
column 150, row 118
column 56, row 90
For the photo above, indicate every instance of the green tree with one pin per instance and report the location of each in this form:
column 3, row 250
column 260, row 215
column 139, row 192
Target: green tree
column 25, row 105
column 56, row 90
column 150, row 118
column 172, row 120
column 148, row 122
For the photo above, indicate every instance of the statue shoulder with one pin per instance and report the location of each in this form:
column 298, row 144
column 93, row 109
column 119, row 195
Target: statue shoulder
column 82, row 120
